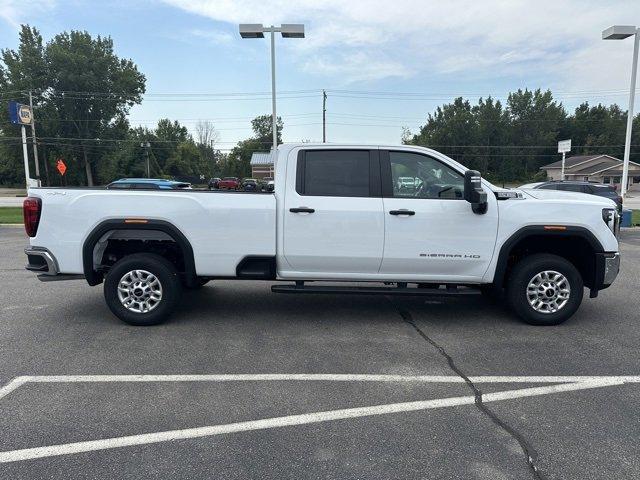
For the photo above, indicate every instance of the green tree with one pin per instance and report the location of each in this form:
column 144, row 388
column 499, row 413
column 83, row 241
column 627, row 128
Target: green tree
column 185, row 160
column 90, row 86
column 237, row 162
column 83, row 90
column 263, row 130
column 535, row 121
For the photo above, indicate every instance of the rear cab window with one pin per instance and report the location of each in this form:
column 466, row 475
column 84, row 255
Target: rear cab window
column 338, row 173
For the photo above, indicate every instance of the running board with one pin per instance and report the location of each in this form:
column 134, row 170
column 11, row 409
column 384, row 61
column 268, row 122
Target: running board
column 351, row 290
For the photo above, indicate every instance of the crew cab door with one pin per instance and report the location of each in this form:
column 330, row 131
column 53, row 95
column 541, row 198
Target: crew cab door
column 333, row 220
column 431, row 232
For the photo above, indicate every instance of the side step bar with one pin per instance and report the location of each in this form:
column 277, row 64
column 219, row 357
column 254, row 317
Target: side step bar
column 299, row 287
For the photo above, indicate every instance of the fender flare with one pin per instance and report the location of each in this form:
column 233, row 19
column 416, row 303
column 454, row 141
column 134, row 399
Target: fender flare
column 95, row 278
column 537, row 230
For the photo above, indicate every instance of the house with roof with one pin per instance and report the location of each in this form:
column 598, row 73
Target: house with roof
column 261, row 165
column 594, row 168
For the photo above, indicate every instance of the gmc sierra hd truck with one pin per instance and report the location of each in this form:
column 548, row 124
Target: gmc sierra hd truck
column 338, row 214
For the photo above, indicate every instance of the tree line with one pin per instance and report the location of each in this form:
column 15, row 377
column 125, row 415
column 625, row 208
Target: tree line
column 83, row 92
column 82, row 95
column 511, row 142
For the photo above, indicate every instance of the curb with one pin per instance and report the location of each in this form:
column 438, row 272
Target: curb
column 11, row 224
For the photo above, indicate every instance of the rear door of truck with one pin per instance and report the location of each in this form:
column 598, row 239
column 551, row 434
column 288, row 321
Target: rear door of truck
column 333, row 211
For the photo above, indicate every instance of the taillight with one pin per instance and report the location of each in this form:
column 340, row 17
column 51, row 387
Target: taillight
column 31, row 211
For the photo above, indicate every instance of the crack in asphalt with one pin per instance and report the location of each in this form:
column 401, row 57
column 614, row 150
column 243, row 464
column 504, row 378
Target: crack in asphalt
column 529, row 452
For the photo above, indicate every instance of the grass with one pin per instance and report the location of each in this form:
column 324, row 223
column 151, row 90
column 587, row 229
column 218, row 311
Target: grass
column 635, row 217
column 11, row 215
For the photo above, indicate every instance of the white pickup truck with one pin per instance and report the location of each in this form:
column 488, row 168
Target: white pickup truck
column 338, row 214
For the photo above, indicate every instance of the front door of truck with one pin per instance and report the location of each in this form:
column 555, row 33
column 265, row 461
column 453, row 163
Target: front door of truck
column 430, row 230
column 333, row 220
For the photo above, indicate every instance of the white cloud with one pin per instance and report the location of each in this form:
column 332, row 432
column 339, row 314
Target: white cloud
column 14, row 12
column 356, row 67
column 213, row 36
column 478, row 38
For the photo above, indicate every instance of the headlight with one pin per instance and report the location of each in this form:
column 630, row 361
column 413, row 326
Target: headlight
column 612, row 219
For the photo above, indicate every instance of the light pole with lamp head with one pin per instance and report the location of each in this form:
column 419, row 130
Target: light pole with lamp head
column 257, row 30
column 619, row 32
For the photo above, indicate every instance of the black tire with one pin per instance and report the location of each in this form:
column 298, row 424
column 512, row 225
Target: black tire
column 199, row 283
column 525, row 271
column 167, row 276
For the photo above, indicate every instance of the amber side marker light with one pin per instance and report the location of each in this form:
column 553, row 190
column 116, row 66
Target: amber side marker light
column 136, row 220
column 554, row 227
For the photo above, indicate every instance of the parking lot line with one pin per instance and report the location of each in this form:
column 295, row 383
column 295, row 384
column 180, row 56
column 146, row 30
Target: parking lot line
column 293, row 420
column 314, row 377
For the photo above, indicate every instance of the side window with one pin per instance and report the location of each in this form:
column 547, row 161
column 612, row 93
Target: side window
column 334, row 173
column 548, row 186
column 570, row 188
column 418, row 176
column 120, row 186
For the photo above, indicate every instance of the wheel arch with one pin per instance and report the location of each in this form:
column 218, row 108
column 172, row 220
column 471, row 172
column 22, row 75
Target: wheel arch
column 570, row 242
column 94, row 277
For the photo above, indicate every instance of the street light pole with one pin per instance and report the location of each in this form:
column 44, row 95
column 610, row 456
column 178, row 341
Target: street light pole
column 257, row 30
column 632, row 95
column 274, row 122
column 619, row 32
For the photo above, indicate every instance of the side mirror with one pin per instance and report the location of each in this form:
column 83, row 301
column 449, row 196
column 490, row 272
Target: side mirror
column 473, row 192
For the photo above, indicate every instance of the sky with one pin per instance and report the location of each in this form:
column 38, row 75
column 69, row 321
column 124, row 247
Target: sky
column 385, row 65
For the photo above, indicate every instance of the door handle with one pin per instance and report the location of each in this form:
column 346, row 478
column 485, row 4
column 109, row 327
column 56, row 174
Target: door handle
column 402, row 212
column 302, row 210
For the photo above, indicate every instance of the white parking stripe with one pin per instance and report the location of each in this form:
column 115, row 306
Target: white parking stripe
column 291, row 420
column 324, row 377
column 12, row 385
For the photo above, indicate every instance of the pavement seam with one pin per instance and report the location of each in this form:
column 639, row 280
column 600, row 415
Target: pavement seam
column 529, row 452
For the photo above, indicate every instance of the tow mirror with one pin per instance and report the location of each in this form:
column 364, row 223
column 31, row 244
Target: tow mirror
column 473, row 192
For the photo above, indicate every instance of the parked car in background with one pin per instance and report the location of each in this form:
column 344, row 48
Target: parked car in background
column 229, row 183
column 591, row 188
column 148, row 184
column 249, row 185
column 214, row 183
column 267, row 184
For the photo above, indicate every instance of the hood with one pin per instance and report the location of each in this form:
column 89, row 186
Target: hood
column 569, row 197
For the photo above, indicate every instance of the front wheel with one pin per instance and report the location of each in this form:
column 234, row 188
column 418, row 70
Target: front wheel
column 142, row 289
column 545, row 289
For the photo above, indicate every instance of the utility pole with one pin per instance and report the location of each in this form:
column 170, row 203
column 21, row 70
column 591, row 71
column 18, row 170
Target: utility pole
column 146, row 146
column 33, row 137
column 324, row 116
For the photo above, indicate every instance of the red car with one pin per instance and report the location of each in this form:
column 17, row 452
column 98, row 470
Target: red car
column 229, row 183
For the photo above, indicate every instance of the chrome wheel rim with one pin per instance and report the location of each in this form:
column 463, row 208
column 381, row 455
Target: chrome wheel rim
column 548, row 291
column 139, row 291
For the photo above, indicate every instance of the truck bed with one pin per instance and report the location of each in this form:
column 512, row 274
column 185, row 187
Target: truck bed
column 222, row 227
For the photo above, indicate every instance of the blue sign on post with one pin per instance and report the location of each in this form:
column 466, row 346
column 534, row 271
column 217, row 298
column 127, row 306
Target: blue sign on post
column 19, row 114
column 13, row 112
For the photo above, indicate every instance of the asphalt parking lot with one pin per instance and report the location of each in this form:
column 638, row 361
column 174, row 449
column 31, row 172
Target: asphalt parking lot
column 243, row 383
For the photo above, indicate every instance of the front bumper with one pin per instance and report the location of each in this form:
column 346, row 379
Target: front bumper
column 607, row 268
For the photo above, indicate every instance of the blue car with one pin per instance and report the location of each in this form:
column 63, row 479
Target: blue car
column 148, row 184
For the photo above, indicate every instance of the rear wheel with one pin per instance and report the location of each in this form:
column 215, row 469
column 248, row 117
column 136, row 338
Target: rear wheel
column 142, row 289
column 545, row 289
